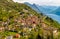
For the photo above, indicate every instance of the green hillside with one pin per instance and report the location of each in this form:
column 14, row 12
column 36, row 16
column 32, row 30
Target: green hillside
column 19, row 21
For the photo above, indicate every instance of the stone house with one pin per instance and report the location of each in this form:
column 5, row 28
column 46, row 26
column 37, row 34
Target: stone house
column 1, row 29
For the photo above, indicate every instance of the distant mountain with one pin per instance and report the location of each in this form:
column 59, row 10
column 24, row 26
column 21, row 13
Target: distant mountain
column 56, row 11
column 43, row 8
column 33, row 6
column 51, row 11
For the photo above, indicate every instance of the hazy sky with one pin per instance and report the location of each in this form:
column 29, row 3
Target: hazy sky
column 41, row 2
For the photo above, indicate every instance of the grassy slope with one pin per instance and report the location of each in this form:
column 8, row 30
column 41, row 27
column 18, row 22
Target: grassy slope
column 11, row 10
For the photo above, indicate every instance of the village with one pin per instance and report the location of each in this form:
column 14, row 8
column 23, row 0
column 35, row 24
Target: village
column 23, row 26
